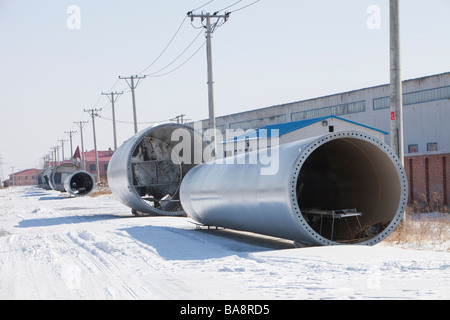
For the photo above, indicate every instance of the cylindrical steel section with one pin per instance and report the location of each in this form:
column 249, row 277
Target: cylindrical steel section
column 41, row 182
column 47, row 175
column 145, row 172
column 80, row 183
column 343, row 187
column 59, row 175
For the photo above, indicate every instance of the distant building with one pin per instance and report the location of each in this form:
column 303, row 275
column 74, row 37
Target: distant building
column 26, row 177
column 89, row 158
column 426, row 113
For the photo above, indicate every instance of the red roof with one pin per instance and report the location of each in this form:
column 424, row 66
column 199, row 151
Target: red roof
column 32, row 171
column 102, row 155
column 77, row 154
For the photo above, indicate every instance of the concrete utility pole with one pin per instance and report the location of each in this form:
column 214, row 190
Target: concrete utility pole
column 62, row 149
column 133, row 86
column 55, row 150
column 179, row 119
column 80, row 125
column 13, row 176
column 70, row 133
column 51, row 158
column 208, row 33
column 396, row 114
column 113, row 99
column 93, row 113
column 57, row 154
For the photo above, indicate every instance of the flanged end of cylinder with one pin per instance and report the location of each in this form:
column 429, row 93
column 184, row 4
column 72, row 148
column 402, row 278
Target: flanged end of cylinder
column 80, row 183
column 348, row 188
column 145, row 173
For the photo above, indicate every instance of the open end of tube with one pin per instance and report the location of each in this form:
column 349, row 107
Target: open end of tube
column 81, row 184
column 349, row 190
column 157, row 167
column 156, row 177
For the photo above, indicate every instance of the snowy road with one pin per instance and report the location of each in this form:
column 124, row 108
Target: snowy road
column 54, row 247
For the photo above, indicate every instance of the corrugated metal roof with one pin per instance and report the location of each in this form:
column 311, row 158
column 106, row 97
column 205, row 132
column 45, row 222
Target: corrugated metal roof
column 287, row 127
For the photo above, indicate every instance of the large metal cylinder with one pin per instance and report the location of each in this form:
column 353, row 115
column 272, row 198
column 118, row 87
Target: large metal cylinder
column 340, row 188
column 80, row 183
column 145, row 172
column 41, row 182
column 59, row 174
column 47, row 176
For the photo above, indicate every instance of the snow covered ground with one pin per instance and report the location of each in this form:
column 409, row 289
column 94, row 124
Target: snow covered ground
column 54, row 247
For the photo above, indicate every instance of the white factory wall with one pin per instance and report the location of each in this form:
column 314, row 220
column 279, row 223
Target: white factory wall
column 424, row 122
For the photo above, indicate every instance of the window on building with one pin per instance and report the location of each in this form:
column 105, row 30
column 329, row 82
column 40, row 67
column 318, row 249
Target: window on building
column 92, row 167
column 413, row 148
column 330, row 128
column 415, row 97
column 432, row 146
column 106, row 167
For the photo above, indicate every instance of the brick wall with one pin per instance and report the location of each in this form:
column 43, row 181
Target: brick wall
column 428, row 177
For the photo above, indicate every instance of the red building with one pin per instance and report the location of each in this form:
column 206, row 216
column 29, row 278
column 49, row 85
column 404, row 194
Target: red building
column 429, row 178
column 26, row 177
column 89, row 158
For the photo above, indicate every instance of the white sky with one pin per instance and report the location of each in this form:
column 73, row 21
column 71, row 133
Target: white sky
column 270, row 53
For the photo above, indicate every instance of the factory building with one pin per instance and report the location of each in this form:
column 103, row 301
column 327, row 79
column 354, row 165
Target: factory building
column 26, row 177
column 426, row 116
column 426, row 112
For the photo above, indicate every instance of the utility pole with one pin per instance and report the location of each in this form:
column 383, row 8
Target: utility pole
column 80, row 125
column 13, row 176
column 396, row 101
column 51, row 158
column 62, row 149
column 113, row 99
column 133, row 86
column 57, row 154
column 179, row 118
column 208, row 33
column 1, row 171
column 71, row 149
column 55, row 150
column 93, row 113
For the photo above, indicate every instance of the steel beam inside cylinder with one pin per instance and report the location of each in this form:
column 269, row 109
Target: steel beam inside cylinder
column 145, row 172
column 80, row 183
column 59, row 175
column 341, row 170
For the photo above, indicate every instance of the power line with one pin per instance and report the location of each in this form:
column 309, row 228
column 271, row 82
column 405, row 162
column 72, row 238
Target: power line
column 196, row 51
column 245, row 6
column 173, row 61
column 230, row 6
column 164, row 50
column 202, row 6
column 131, row 122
